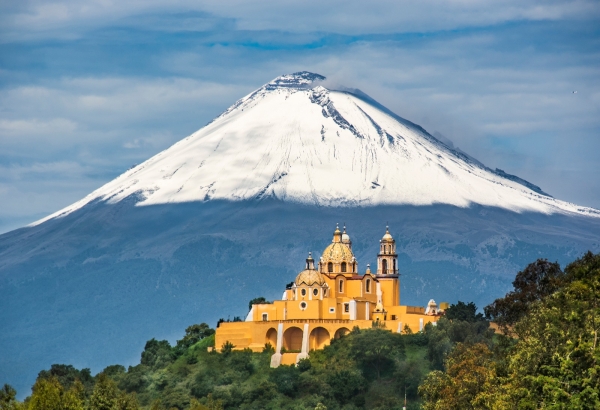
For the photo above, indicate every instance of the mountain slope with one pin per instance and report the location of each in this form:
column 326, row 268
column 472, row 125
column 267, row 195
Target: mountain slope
column 301, row 142
column 229, row 213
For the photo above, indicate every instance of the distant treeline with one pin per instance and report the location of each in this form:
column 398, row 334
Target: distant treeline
column 546, row 355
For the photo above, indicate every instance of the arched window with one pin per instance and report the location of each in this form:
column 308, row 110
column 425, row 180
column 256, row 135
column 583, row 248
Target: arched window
column 344, row 267
column 330, row 267
column 368, row 285
column 384, row 266
column 394, row 265
column 303, row 292
column 341, row 286
column 315, row 292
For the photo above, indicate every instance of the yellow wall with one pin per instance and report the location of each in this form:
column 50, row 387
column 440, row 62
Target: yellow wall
column 254, row 335
column 391, row 292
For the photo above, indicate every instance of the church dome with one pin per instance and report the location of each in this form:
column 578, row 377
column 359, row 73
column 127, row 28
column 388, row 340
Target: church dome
column 337, row 252
column 309, row 277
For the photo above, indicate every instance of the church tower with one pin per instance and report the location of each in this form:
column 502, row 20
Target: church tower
column 387, row 259
column 387, row 271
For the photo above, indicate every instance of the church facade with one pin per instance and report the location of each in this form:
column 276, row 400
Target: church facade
column 326, row 300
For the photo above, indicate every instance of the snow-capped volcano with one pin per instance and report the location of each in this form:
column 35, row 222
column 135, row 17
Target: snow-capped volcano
column 297, row 141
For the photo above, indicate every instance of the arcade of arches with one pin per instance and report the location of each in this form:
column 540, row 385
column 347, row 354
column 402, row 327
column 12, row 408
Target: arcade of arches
column 327, row 299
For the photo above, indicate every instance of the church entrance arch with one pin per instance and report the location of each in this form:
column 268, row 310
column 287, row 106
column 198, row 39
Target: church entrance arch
column 342, row 331
column 292, row 339
column 319, row 338
column 271, row 337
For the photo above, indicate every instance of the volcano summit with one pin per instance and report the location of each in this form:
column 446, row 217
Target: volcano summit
column 297, row 141
column 228, row 213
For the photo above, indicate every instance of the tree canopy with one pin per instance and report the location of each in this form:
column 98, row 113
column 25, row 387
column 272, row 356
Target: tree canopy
column 554, row 360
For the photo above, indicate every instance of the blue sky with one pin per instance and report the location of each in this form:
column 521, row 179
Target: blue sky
column 89, row 88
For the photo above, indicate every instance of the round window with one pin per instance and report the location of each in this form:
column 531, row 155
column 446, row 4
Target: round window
column 303, row 292
column 315, row 292
column 302, row 305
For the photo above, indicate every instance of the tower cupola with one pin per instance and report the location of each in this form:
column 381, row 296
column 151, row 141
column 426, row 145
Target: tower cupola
column 337, row 234
column 346, row 238
column 387, row 260
column 310, row 262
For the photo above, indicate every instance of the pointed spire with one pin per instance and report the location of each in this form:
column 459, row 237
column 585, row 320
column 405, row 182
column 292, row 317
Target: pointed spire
column 310, row 262
column 337, row 234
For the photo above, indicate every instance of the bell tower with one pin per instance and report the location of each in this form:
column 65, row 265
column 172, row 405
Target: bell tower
column 387, row 270
column 387, row 259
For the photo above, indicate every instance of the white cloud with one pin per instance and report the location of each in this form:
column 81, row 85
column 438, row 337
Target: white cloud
column 64, row 18
column 33, row 127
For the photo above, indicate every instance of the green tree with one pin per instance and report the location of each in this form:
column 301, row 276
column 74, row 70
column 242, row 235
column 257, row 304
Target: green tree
column 556, row 361
column 438, row 343
column 466, row 383
column 196, row 405
column 46, row 394
column 258, row 301
column 538, row 280
column 157, row 353
column 67, row 375
column 227, row 348
column 193, row 334
column 8, row 398
column 346, row 384
column 377, row 350
column 49, row 394
column 241, row 361
column 285, row 379
column 127, row 402
column 134, row 380
column 105, row 394
column 466, row 312
column 74, row 398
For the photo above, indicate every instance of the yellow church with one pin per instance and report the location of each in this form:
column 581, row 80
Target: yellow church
column 326, row 301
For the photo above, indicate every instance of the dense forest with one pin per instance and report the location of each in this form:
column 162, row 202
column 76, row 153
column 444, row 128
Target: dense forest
column 545, row 355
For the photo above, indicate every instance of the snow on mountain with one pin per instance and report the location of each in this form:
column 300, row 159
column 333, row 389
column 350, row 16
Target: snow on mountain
column 298, row 141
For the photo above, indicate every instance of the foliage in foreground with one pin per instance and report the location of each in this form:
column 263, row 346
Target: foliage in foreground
column 554, row 359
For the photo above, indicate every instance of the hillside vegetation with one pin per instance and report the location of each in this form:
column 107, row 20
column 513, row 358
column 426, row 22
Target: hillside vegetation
column 547, row 357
